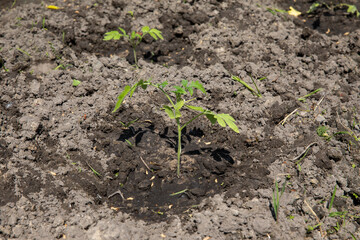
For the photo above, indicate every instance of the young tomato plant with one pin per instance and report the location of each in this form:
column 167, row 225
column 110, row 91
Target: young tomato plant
column 134, row 38
column 179, row 102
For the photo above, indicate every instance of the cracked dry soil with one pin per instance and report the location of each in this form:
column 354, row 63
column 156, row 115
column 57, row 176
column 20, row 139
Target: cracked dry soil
column 67, row 169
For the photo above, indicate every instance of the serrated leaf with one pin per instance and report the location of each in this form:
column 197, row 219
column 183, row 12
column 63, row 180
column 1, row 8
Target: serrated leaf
column 145, row 29
column 185, row 83
column 198, row 85
column 163, row 84
column 123, row 31
column 153, row 35
column 112, row 35
column 226, row 119
column 179, row 90
column 169, row 111
column 157, row 33
column 179, row 104
column 121, row 97
column 199, row 109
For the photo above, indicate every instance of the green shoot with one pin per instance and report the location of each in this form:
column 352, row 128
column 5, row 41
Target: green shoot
column 322, row 132
column 43, row 24
column 273, row 11
column 127, row 125
column 298, row 162
column 131, row 13
column 312, row 228
column 23, row 51
column 253, row 92
column 13, row 4
column 93, row 170
column 134, row 38
column 76, row 82
column 350, row 9
column 303, row 99
column 276, row 198
column 176, row 105
column 332, row 198
column 177, row 193
column 128, row 142
column 313, row 7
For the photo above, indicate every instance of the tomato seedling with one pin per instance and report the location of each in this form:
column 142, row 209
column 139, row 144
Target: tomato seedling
column 177, row 103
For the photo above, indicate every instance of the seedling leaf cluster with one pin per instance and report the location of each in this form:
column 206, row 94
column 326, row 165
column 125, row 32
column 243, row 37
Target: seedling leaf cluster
column 134, row 38
column 178, row 99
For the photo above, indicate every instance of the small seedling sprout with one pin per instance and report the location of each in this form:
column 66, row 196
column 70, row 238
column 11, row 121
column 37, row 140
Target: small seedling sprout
column 332, row 198
column 177, row 193
column 176, row 105
column 303, row 99
column 276, row 198
column 134, row 38
column 253, row 92
column 76, row 83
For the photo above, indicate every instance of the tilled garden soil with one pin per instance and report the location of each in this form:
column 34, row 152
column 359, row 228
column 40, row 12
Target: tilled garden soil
column 70, row 168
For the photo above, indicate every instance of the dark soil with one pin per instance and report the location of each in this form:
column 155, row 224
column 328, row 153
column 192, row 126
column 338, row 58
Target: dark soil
column 69, row 168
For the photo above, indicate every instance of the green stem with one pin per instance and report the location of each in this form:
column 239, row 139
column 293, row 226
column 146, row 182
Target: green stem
column 200, row 114
column 179, row 147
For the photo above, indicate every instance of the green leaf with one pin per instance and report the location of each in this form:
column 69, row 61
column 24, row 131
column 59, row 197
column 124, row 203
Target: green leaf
column 198, row 85
column 179, row 90
column 177, row 113
column 351, row 9
column 226, row 119
column 123, row 31
column 133, row 35
column 76, row 82
column 145, row 29
column 179, row 104
column 121, row 97
column 162, row 85
column 169, row 111
column 313, row 7
column 112, row 35
column 220, row 121
column 185, row 83
column 156, row 34
column 199, row 109
column 211, row 117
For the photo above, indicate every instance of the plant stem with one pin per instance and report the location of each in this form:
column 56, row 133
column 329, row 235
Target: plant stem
column 179, row 147
column 136, row 64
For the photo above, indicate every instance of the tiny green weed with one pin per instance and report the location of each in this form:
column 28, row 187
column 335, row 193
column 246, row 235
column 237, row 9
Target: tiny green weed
column 252, row 91
column 177, row 103
column 303, row 99
column 276, row 198
column 322, row 132
column 76, row 82
column 23, row 51
column 134, row 38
